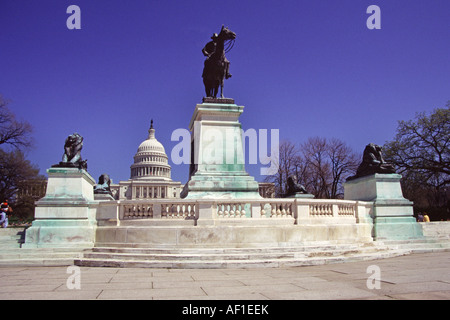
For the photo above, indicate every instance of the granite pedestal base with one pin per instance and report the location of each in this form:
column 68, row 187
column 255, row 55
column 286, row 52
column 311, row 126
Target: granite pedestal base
column 392, row 214
column 217, row 164
column 65, row 217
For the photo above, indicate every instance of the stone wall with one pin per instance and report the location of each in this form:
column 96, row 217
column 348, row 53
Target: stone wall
column 437, row 229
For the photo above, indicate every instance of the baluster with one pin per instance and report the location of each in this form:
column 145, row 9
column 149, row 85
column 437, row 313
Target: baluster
column 181, row 211
column 226, row 212
column 175, row 211
column 278, row 211
column 242, row 210
column 232, row 210
column 263, row 210
column 274, row 210
column 192, row 209
column 184, row 208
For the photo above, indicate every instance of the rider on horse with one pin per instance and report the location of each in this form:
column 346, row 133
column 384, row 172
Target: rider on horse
column 217, row 66
column 208, row 51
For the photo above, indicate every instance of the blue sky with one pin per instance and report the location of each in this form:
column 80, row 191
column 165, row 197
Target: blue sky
column 305, row 67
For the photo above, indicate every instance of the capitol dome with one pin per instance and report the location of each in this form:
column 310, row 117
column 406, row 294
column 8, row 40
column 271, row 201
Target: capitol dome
column 150, row 161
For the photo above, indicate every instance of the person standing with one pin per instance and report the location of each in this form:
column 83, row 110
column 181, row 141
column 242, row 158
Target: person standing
column 5, row 209
column 420, row 217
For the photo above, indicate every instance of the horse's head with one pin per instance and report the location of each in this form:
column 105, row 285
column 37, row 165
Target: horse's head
column 227, row 34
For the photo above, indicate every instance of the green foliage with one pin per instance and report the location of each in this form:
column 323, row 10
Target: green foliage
column 15, row 170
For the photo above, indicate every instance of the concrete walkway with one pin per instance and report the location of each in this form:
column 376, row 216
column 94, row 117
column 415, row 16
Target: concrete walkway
column 415, row 276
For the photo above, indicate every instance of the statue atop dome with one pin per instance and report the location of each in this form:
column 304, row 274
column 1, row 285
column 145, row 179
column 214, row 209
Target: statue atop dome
column 151, row 131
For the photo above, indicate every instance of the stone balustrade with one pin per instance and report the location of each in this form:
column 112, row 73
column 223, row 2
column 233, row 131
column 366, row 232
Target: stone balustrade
column 216, row 212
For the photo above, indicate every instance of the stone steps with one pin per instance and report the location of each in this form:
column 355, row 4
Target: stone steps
column 10, row 257
column 223, row 264
column 190, row 257
column 214, row 257
column 232, row 257
column 12, row 237
column 420, row 245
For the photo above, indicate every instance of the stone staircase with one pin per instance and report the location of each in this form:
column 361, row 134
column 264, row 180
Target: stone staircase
column 12, row 237
column 39, row 257
column 12, row 253
column 121, row 255
column 424, row 245
column 234, row 257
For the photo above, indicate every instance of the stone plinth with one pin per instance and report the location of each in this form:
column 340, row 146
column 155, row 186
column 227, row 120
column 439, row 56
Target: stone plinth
column 217, row 158
column 65, row 217
column 392, row 213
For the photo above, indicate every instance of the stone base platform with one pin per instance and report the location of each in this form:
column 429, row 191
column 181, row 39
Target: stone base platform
column 240, row 235
column 65, row 217
column 392, row 213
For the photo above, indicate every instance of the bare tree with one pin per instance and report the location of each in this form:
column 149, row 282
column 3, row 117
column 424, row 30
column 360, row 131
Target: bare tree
column 288, row 155
column 13, row 132
column 317, row 171
column 319, row 164
column 423, row 146
column 343, row 163
column 421, row 153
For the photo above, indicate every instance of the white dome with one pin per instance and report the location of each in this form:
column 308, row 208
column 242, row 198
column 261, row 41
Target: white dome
column 150, row 161
column 151, row 145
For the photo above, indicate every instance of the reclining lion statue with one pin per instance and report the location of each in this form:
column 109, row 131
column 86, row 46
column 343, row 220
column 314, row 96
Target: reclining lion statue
column 372, row 162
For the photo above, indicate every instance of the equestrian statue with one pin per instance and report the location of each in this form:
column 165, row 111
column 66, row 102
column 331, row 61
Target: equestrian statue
column 217, row 66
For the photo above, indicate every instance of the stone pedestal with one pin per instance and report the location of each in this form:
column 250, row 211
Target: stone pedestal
column 217, row 158
column 65, row 217
column 392, row 214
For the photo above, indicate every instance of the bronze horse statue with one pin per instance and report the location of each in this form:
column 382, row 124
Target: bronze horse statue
column 216, row 64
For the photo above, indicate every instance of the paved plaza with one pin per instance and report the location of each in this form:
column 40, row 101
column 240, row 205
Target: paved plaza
column 416, row 276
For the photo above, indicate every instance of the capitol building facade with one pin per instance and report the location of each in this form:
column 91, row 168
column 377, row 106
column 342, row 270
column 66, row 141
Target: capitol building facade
column 150, row 176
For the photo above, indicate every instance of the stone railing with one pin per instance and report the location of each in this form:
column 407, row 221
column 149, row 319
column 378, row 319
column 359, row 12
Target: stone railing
column 221, row 212
column 157, row 209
